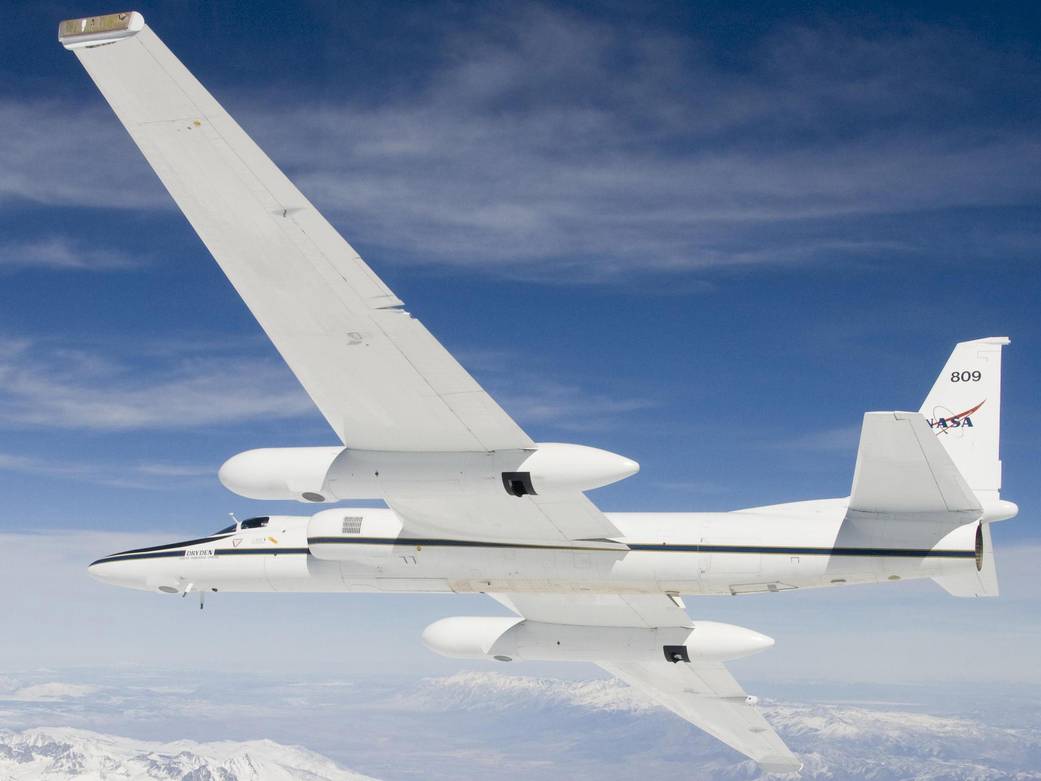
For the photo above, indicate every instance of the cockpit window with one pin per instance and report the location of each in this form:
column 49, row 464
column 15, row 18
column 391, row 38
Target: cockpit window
column 228, row 529
column 254, row 523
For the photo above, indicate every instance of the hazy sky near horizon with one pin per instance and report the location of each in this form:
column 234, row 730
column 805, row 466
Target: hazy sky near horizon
column 708, row 236
column 887, row 634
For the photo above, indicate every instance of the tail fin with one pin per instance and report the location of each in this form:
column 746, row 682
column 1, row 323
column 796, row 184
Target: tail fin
column 964, row 411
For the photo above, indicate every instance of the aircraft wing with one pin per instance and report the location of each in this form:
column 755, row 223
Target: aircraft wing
column 703, row 693
column 377, row 375
column 571, row 516
column 706, row 695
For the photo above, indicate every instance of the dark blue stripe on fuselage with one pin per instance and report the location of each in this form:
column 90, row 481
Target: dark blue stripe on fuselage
column 166, row 553
column 177, row 550
column 171, row 545
column 801, row 551
column 653, row 547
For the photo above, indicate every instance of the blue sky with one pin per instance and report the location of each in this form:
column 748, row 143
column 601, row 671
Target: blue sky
column 705, row 236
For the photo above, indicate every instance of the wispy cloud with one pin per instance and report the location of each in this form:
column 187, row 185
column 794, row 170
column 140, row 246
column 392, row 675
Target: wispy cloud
column 569, row 407
column 60, row 154
column 548, row 145
column 533, row 152
column 842, row 439
column 58, row 253
column 177, row 385
column 45, row 385
column 150, row 476
column 536, row 400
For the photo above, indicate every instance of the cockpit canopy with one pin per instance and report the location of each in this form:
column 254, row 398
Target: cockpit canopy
column 250, row 523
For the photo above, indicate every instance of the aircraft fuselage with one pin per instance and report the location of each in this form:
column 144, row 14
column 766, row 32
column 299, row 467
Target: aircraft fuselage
column 802, row 545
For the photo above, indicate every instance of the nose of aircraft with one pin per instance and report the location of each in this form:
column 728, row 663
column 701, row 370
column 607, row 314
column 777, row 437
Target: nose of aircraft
column 115, row 572
column 105, row 571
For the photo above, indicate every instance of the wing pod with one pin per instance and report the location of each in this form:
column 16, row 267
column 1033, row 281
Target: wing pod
column 320, row 474
column 99, row 30
column 509, row 638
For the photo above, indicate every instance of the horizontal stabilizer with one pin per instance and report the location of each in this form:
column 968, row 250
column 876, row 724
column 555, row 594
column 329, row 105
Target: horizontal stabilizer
column 903, row 470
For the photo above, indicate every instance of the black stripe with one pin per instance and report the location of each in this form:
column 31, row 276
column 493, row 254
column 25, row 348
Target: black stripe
column 169, row 545
column 801, row 551
column 259, row 551
column 420, row 541
column 179, row 554
column 650, row 547
column 177, row 550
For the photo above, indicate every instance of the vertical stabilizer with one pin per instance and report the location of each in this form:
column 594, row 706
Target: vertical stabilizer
column 964, row 411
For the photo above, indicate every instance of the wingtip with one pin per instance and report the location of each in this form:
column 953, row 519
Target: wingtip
column 780, row 764
column 98, row 30
column 1000, row 341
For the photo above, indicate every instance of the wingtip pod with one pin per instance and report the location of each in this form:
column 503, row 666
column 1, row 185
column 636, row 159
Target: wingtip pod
column 99, row 30
column 513, row 638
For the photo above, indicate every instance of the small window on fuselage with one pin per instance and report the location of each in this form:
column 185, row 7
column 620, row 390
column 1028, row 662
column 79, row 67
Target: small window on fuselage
column 254, row 523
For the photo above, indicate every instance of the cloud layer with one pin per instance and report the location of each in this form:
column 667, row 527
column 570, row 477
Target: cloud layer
column 58, row 253
column 546, row 144
column 63, row 387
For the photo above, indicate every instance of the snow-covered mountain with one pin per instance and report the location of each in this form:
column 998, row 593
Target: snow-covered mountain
column 62, row 754
column 835, row 741
column 496, row 691
column 485, row 724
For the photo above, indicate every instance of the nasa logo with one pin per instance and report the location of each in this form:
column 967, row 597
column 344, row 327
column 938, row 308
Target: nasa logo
column 962, row 420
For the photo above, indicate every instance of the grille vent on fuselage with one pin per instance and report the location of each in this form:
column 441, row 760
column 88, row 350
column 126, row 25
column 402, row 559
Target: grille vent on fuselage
column 351, row 524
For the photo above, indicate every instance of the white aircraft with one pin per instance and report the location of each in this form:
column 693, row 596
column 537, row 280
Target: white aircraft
column 473, row 504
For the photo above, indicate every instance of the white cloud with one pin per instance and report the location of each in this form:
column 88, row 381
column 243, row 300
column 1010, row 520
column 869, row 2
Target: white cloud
column 148, row 475
column 60, row 254
column 65, row 155
column 48, row 692
column 532, row 151
column 549, row 145
column 43, row 385
column 198, row 383
column 538, row 401
column 842, row 439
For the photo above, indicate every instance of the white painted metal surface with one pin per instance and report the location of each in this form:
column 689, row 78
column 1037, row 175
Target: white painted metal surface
column 474, row 504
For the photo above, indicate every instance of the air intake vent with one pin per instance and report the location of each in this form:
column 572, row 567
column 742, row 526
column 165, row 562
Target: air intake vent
column 351, row 524
column 676, row 653
column 517, row 483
